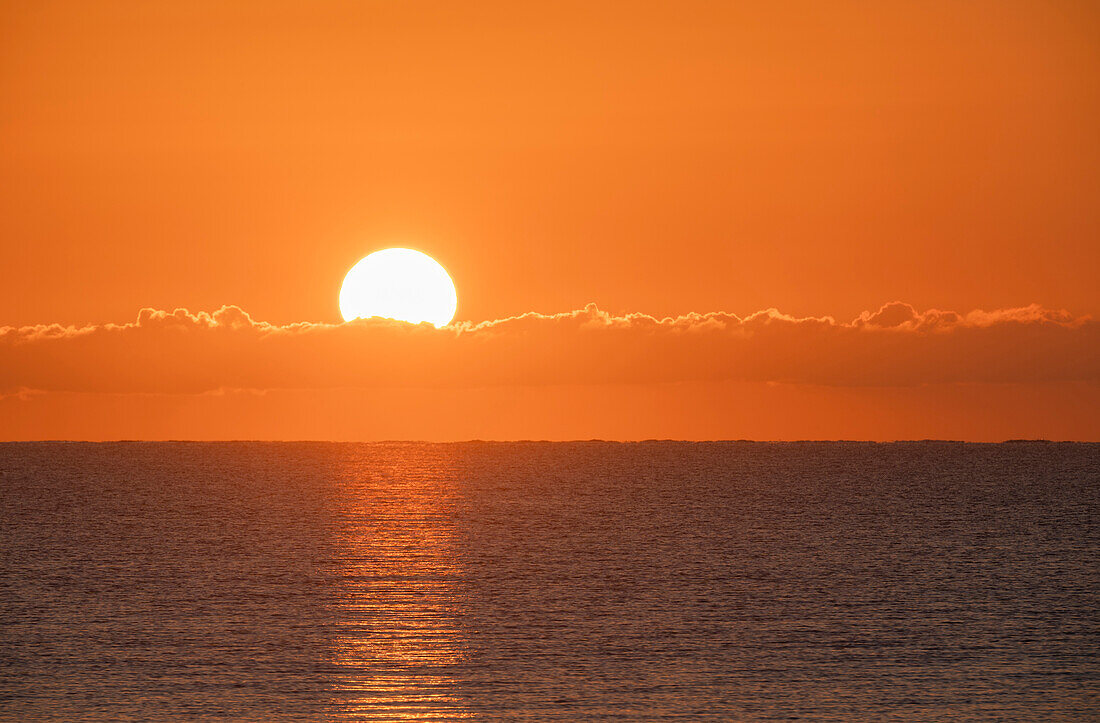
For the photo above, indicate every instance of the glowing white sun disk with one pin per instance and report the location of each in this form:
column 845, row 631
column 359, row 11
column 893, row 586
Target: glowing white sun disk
column 399, row 284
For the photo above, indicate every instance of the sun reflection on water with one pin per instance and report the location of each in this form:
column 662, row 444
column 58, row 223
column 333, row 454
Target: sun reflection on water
column 398, row 636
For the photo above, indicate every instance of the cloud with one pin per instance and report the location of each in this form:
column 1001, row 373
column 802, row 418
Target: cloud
column 184, row 352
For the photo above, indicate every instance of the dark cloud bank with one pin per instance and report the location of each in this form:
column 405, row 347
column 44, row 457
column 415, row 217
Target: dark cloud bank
column 182, row 352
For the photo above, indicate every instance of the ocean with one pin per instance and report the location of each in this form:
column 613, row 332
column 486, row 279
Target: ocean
column 581, row 581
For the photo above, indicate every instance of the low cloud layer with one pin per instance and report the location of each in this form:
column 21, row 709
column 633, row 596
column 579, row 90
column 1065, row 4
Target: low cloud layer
column 183, row 352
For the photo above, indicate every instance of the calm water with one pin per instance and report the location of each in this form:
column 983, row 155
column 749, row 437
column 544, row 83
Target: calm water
column 581, row 581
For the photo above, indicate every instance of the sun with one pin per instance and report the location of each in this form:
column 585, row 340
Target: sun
column 399, row 284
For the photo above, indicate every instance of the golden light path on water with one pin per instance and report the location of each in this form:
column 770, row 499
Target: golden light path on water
column 398, row 633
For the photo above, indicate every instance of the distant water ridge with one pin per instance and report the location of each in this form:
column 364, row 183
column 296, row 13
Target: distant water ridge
column 549, row 581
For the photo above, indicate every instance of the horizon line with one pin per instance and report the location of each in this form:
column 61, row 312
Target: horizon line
column 646, row 440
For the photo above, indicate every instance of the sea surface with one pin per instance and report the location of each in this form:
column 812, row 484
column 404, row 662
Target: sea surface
column 650, row 581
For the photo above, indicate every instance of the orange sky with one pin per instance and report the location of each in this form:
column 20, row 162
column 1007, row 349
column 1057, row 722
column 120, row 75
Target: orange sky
column 663, row 159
